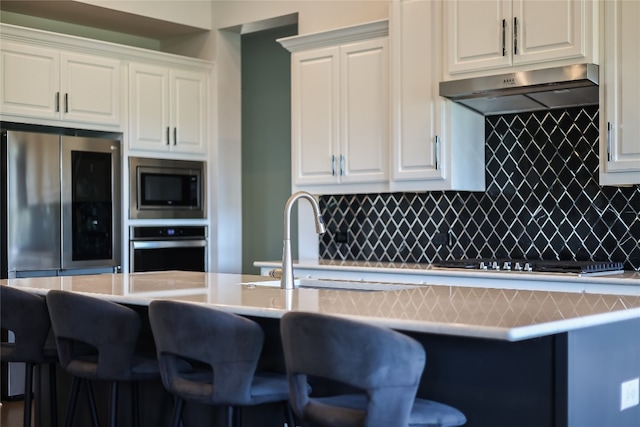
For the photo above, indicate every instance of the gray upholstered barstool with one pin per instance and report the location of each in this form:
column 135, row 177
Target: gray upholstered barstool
column 26, row 315
column 381, row 367
column 97, row 340
column 210, row 356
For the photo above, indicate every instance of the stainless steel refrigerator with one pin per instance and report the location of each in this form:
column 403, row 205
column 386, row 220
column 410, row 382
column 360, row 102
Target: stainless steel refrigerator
column 60, row 205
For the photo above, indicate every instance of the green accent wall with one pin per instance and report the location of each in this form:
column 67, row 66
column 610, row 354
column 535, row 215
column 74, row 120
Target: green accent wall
column 266, row 145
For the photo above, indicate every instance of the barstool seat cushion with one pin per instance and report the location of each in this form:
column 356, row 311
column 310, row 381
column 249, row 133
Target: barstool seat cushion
column 352, row 406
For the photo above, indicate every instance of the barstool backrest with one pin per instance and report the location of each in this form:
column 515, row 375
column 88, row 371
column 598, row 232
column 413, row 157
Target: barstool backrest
column 385, row 364
column 111, row 330
column 230, row 345
column 26, row 315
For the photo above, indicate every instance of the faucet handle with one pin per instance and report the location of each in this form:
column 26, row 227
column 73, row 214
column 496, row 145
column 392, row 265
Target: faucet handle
column 276, row 273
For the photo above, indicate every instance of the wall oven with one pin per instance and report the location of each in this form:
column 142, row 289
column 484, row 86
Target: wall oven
column 163, row 188
column 160, row 248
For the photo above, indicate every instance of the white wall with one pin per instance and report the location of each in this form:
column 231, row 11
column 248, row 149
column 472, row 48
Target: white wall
column 194, row 13
column 230, row 16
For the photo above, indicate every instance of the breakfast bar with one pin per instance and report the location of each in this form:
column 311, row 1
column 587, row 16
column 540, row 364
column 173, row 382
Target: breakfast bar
column 504, row 357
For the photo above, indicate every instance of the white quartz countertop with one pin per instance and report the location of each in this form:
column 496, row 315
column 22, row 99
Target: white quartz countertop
column 504, row 314
column 627, row 282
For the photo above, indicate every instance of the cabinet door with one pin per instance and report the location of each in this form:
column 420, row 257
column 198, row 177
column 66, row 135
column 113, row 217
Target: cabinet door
column 188, row 102
column 364, row 110
column 549, row 29
column 478, row 34
column 314, row 108
column 90, row 88
column 148, row 107
column 30, row 80
column 415, row 97
column 620, row 125
column 493, row 34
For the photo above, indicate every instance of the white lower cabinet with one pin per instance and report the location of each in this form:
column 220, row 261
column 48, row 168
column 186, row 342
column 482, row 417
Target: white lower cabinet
column 436, row 145
column 620, row 94
column 168, row 109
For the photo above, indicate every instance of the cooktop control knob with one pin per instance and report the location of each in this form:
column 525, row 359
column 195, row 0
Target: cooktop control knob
column 527, row 267
column 517, row 267
column 506, row 266
column 482, row 266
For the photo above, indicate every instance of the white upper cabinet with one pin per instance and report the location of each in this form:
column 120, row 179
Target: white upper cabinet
column 493, row 34
column 44, row 83
column 340, row 118
column 168, row 109
column 436, row 145
column 620, row 94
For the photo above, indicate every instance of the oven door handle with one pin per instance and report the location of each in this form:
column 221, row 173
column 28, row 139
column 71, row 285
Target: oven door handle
column 161, row 244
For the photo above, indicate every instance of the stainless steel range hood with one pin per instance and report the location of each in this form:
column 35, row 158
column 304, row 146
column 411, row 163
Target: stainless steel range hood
column 561, row 87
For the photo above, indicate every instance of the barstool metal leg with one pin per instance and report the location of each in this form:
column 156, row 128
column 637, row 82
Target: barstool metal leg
column 288, row 414
column 134, row 403
column 53, row 393
column 176, row 417
column 28, row 394
column 113, row 415
column 92, row 403
column 73, row 400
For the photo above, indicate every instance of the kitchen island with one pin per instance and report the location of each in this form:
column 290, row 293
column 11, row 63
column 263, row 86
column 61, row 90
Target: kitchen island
column 505, row 357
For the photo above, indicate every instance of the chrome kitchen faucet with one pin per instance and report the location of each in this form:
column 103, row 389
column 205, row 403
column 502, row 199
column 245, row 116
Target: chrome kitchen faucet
column 287, row 280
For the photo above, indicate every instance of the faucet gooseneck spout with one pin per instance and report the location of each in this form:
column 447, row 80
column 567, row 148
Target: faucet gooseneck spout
column 287, row 280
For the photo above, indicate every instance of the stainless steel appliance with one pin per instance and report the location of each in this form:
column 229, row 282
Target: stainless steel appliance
column 559, row 87
column 160, row 248
column 533, row 266
column 60, row 196
column 162, row 188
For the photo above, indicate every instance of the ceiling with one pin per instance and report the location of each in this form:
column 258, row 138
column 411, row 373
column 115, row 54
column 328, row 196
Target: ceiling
column 99, row 17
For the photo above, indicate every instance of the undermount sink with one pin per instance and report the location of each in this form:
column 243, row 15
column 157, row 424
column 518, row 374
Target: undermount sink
column 344, row 285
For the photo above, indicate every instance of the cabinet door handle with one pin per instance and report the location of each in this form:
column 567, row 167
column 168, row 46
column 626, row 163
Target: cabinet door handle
column 341, row 165
column 504, row 37
column 436, row 149
column 175, row 136
column 333, row 165
column 66, row 102
column 57, row 102
column 608, row 141
column 168, row 137
column 515, row 36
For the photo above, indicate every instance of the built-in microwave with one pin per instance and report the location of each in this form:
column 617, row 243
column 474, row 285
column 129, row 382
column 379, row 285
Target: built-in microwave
column 163, row 188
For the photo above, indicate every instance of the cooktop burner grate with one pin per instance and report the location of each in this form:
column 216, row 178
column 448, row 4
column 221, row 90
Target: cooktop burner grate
column 505, row 264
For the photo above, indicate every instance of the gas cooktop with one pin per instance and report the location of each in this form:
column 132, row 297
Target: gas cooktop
column 506, row 264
